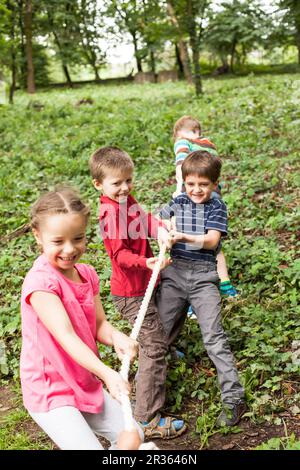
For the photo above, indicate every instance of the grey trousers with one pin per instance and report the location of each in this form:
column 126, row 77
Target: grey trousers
column 195, row 283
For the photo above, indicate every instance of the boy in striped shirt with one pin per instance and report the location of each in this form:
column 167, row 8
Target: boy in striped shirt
column 192, row 278
column 187, row 137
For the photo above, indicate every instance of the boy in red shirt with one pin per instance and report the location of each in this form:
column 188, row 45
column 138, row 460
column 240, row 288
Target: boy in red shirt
column 125, row 229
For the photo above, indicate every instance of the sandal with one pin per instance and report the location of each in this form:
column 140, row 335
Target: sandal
column 153, row 430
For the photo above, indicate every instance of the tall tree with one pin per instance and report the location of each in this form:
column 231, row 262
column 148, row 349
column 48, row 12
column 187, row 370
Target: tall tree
column 179, row 62
column 196, row 15
column 189, row 17
column 290, row 22
column 90, row 24
column 21, row 34
column 181, row 43
column 126, row 15
column 5, row 21
column 60, row 21
column 153, row 29
column 9, row 60
column 28, row 47
column 236, row 29
column 145, row 21
column 4, row 27
column 12, row 48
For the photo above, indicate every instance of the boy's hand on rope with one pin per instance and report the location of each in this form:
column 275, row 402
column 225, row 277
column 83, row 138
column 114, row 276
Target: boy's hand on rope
column 177, row 192
column 115, row 384
column 124, row 345
column 151, row 262
column 163, row 237
column 175, row 236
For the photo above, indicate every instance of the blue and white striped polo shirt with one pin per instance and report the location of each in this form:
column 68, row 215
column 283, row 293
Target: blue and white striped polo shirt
column 195, row 219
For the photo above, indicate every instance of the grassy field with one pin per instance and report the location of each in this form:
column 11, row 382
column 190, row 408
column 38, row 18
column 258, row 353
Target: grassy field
column 254, row 121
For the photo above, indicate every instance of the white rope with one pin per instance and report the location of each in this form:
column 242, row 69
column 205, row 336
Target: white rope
column 125, row 401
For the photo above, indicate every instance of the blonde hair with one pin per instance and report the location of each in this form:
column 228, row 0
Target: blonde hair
column 109, row 158
column 63, row 200
column 186, row 122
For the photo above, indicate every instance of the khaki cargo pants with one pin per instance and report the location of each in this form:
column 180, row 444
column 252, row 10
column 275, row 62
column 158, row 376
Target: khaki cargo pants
column 151, row 375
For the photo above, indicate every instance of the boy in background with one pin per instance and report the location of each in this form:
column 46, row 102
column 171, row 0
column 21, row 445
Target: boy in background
column 187, row 138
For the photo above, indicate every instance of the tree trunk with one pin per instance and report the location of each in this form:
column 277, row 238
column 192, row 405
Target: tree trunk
column 152, row 61
column 64, row 65
column 232, row 56
column 197, row 72
column 67, row 74
column 13, row 77
column 96, row 71
column 179, row 62
column 91, row 58
column 298, row 45
column 136, row 52
column 88, row 49
column 183, row 51
column 29, row 53
column 224, row 60
column 13, row 67
column 184, row 56
column 22, row 35
column 195, row 48
column 60, row 49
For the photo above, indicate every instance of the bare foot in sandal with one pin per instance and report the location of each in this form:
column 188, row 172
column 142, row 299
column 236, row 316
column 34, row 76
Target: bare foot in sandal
column 163, row 428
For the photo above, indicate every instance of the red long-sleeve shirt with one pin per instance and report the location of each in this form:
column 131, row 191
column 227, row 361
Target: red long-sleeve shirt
column 125, row 229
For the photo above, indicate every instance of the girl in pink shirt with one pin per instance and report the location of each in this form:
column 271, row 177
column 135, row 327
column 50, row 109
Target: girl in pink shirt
column 62, row 319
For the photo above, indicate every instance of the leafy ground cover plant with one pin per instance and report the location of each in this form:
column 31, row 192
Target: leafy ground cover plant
column 254, row 122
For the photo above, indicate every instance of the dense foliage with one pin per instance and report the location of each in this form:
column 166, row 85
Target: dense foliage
column 255, row 125
column 38, row 36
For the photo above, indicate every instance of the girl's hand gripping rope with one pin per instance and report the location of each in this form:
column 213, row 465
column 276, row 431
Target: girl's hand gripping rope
column 124, row 346
column 116, row 385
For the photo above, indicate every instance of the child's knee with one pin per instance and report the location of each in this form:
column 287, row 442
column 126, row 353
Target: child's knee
column 215, row 343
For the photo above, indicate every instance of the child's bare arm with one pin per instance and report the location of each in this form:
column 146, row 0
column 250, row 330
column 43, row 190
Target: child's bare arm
column 53, row 315
column 167, row 223
column 152, row 261
column 179, row 180
column 110, row 336
column 209, row 241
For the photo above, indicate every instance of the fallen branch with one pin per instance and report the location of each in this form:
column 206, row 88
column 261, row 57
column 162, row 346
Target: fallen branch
column 16, row 233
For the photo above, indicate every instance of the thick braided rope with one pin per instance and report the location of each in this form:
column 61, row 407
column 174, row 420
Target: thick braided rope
column 125, row 401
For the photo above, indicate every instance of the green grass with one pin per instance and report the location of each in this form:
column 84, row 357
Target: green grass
column 17, row 431
column 281, row 443
column 13, row 436
column 254, row 121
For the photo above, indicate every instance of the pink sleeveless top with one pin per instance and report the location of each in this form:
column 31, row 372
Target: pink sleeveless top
column 50, row 378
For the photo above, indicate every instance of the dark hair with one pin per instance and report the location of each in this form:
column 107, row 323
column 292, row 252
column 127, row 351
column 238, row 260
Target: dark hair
column 109, row 158
column 63, row 200
column 186, row 122
column 202, row 163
